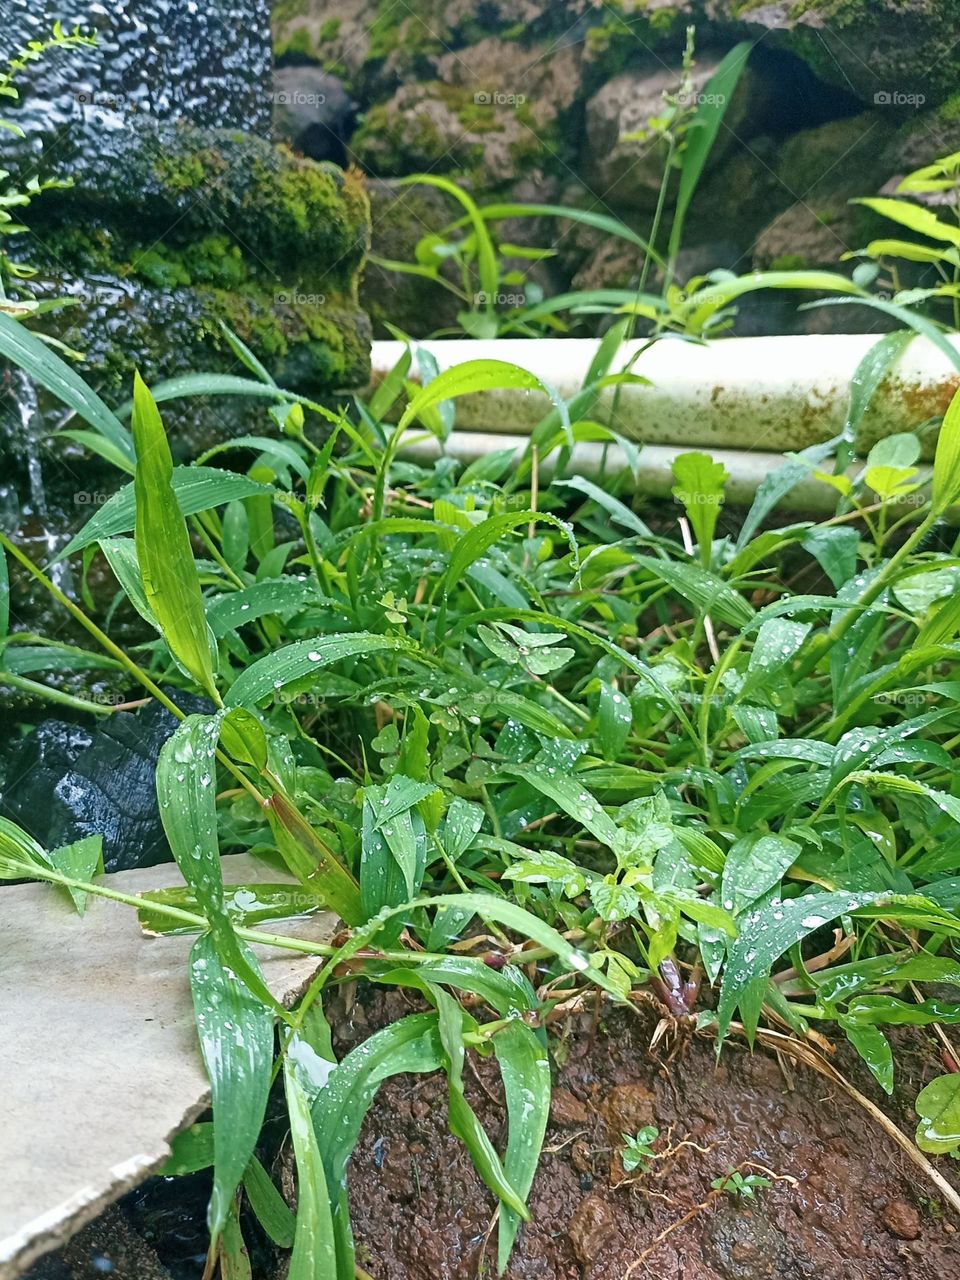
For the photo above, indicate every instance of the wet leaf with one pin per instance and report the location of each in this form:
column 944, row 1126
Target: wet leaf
column 938, row 1106
column 170, row 580
column 525, row 1068
column 294, row 661
column 236, row 1039
column 81, row 860
column 196, row 489
column 700, row 484
column 314, row 1246
column 186, row 794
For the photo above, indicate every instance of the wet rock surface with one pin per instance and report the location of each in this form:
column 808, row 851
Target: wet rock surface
column 182, row 217
column 65, row 781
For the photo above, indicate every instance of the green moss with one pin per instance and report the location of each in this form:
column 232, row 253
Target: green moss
column 329, row 30
column 789, row 262
column 298, row 42
column 180, row 172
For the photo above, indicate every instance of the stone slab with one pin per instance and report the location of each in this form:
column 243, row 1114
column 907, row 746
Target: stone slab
column 99, row 1061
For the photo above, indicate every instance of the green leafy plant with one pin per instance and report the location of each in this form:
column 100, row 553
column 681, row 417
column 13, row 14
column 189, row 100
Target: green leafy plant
column 741, row 1187
column 494, row 722
column 638, row 1152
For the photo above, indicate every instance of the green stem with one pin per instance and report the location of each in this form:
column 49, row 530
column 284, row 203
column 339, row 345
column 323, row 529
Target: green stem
column 55, row 695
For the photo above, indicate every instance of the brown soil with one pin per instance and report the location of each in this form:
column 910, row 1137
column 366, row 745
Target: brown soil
column 845, row 1205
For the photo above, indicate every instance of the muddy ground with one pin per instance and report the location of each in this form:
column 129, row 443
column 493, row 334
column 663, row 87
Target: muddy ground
column 845, row 1203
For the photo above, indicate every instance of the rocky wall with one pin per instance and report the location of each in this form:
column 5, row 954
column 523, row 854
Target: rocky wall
column 531, row 100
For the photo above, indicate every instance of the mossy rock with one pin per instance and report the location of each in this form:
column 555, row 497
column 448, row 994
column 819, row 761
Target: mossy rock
column 901, row 55
column 296, row 218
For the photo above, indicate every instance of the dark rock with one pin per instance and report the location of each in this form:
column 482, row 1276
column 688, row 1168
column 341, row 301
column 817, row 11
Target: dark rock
column 312, row 112
column 209, row 63
column 63, row 782
column 743, row 1245
column 179, row 218
column 627, row 1108
column 593, row 1227
column 566, row 1110
column 901, row 1219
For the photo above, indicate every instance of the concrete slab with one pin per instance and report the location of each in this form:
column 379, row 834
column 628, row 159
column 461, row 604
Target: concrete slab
column 99, row 1061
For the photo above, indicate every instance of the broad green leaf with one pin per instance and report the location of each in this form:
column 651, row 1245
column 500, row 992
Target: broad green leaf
column 101, row 446
column 234, row 1257
column 874, row 1048
column 391, row 388
column 276, row 595
column 453, row 1022
column 170, row 580
column 196, row 489
column 81, row 860
column 469, row 377
column 946, row 464
column 270, row 674
column 835, row 550
column 938, row 1106
column 243, row 737
column 614, row 720
column 701, row 588
column 411, row 1044
column 246, row 904
column 18, row 850
column 618, row 511
column 525, row 1068
column 777, row 644
column 700, row 487
column 272, row 1211
column 924, row 221
column 190, row 1151
column 702, row 133
column 755, row 864
column 766, row 932
column 121, row 556
column 236, row 1039
column 186, row 795
column 312, row 861
column 471, row 546
column 314, row 1246
column 547, row 867
column 568, row 794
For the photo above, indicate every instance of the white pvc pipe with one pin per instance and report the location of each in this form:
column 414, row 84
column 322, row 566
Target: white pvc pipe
column 654, row 475
column 771, row 394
